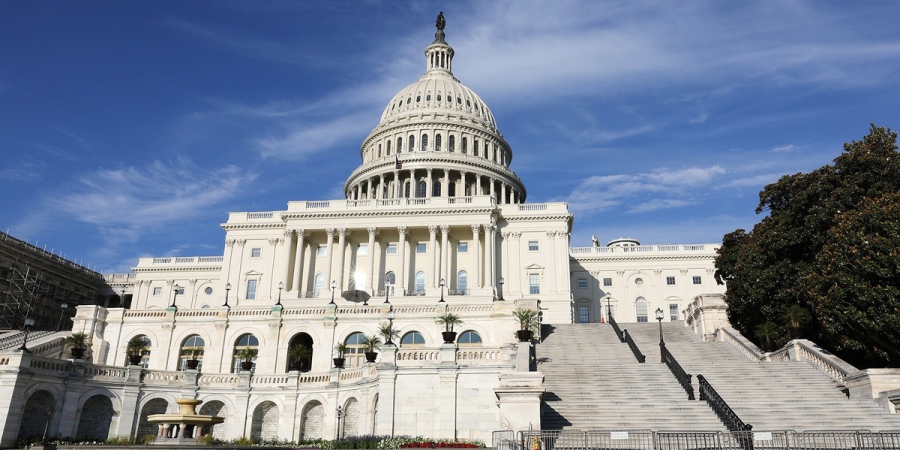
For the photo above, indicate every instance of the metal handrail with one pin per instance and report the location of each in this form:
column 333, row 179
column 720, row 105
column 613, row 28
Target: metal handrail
column 615, row 325
column 684, row 378
column 634, row 348
column 720, row 407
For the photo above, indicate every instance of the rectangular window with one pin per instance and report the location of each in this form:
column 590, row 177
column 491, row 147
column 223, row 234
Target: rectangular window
column 610, row 310
column 670, row 281
column 321, row 250
column 673, row 311
column 180, row 291
column 698, row 280
column 607, row 281
column 362, row 250
column 392, row 249
column 534, row 281
column 640, row 307
column 421, row 248
column 251, row 289
column 462, row 247
column 157, row 291
column 255, row 252
column 533, row 246
column 583, row 316
column 582, row 282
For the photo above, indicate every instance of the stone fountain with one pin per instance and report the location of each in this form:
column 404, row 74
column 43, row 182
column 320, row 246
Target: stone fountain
column 185, row 426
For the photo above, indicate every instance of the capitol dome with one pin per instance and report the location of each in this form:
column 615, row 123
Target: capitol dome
column 436, row 138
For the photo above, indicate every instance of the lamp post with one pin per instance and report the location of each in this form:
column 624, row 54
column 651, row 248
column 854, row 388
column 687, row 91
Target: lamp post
column 387, row 294
column 175, row 288
column 122, row 298
column 337, row 432
column 662, row 343
column 608, row 309
column 280, row 287
column 442, row 291
column 333, row 287
column 29, row 322
column 500, row 282
column 62, row 312
column 227, row 289
column 391, row 326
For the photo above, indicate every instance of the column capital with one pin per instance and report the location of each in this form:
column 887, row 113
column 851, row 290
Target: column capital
column 300, row 232
column 288, row 233
column 476, row 229
column 372, row 231
column 432, row 229
column 445, row 229
column 342, row 232
column 240, row 242
column 275, row 241
column 229, row 242
column 402, row 230
column 329, row 232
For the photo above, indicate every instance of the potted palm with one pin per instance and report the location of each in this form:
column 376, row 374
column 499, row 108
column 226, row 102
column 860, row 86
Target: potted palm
column 369, row 344
column 135, row 349
column 449, row 320
column 193, row 354
column 341, row 351
column 78, row 342
column 795, row 316
column 388, row 332
column 299, row 354
column 528, row 323
column 768, row 333
column 246, row 356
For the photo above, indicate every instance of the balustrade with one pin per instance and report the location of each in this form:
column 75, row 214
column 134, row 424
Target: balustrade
column 634, row 348
column 683, row 378
column 720, row 407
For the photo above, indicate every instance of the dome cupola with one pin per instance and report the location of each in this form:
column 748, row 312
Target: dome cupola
column 436, row 138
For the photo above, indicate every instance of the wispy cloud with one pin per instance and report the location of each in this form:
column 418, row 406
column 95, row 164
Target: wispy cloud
column 22, row 171
column 650, row 191
column 785, row 148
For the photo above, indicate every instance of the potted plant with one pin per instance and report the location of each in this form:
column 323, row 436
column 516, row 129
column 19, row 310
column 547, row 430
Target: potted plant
column 449, row 320
column 341, row 351
column 246, row 355
column 768, row 333
column 388, row 332
column 369, row 344
column 795, row 317
column 193, row 362
column 135, row 349
column 528, row 323
column 299, row 354
column 78, row 342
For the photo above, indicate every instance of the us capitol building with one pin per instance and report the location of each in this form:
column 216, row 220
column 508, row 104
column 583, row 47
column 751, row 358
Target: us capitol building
column 434, row 220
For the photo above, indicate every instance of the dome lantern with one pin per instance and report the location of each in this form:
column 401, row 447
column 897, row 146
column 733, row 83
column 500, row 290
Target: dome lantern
column 439, row 54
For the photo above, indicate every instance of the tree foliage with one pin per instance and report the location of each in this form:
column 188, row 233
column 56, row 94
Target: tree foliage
column 829, row 244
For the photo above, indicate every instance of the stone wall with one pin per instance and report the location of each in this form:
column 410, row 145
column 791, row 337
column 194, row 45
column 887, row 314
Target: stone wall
column 312, row 420
column 215, row 408
column 96, row 417
column 351, row 418
column 265, row 422
column 34, row 416
column 155, row 406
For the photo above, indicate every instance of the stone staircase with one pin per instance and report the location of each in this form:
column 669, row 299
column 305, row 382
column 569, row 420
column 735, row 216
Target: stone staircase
column 789, row 395
column 13, row 340
column 594, row 381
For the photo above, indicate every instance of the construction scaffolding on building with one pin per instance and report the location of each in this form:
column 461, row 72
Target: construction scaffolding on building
column 36, row 283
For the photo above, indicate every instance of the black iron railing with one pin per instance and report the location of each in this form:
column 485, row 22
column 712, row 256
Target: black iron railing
column 634, row 348
column 718, row 405
column 684, row 378
column 616, row 328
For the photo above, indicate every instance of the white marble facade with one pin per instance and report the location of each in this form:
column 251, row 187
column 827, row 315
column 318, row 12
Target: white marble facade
column 433, row 199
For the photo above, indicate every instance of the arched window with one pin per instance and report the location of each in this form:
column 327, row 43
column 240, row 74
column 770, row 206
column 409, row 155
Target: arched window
column 412, row 143
column 406, row 189
column 475, row 148
column 145, row 355
column 424, row 142
column 399, row 145
column 465, row 145
column 320, row 281
column 356, row 352
column 422, row 189
column 412, row 339
column 389, row 148
column 420, row 283
column 469, row 338
column 436, row 190
column 451, row 189
column 462, row 282
column 437, row 142
column 389, row 281
column 451, row 143
column 299, row 359
column 191, row 348
column 247, row 342
column 379, row 150
column 640, row 308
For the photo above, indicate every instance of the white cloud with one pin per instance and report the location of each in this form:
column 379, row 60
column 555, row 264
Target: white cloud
column 23, row 171
column 650, row 191
column 785, row 148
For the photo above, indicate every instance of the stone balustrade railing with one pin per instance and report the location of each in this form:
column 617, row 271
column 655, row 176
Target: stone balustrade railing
column 738, row 341
column 180, row 261
column 620, row 251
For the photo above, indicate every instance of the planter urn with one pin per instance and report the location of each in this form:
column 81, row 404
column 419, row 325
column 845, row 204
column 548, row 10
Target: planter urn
column 134, row 360
column 339, row 362
column 524, row 335
column 449, row 336
column 371, row 356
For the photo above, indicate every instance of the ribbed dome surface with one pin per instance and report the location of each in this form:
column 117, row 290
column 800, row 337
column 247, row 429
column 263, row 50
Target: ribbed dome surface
column 442, row 93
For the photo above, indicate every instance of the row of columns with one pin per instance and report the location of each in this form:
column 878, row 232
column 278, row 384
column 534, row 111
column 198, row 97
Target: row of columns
column 373, row 188
column 441, row 258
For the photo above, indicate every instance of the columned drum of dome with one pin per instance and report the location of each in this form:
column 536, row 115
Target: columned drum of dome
column 453, row 147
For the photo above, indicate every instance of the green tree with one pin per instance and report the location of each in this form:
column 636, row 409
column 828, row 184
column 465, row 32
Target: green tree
column 770, row 267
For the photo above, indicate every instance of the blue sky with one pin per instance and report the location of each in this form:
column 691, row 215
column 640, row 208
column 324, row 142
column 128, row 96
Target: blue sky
column 131, row 129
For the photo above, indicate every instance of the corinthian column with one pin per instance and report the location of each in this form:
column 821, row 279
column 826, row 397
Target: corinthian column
column 476, row 242
column 401, row 252
column 445, row 252
column 342, row 234
column 489, row 233
column 286, row 273
column 298, row 262
column 433, row 253
column 373, row 282
column 328, row 254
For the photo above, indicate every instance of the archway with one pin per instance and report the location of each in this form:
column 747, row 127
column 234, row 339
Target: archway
column 264, row 425
column 34, row 414
column 312, row 420
column 96, row 417
column 215, row 408
column 305, row 364
column 350, row 427
column 155, row 406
